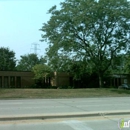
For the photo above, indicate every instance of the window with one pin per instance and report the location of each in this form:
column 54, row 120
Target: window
column 6, row 81
column 18, row 81
column 12, row 81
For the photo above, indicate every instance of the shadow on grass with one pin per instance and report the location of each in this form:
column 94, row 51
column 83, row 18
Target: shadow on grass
column 121, row 91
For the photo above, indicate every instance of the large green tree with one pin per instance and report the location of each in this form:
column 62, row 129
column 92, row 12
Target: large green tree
column 7, row 59
column 93, row 31
column 28, row 61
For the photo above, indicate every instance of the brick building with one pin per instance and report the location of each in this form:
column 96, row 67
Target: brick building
column 16, row 79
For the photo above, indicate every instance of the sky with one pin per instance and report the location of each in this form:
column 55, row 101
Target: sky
column 20, row 21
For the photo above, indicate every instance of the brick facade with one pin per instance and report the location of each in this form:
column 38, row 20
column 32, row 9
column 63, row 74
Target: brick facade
column 16, row 79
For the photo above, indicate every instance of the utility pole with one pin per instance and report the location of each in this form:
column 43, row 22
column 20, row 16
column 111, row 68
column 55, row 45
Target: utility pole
column 35, row 48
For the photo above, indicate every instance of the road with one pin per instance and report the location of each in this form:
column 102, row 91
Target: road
column 89, row 123
column 50, row 106
column 26, row 107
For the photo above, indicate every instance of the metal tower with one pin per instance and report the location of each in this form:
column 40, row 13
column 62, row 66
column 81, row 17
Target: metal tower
column 35, row 47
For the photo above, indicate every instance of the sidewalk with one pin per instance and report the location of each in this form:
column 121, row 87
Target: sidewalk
column 62, row 108
column 62, row 115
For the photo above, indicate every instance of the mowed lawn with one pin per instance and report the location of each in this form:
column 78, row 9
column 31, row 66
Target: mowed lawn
column 62, row 93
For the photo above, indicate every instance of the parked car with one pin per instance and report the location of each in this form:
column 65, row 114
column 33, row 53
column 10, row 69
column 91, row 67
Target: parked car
column 124, row 86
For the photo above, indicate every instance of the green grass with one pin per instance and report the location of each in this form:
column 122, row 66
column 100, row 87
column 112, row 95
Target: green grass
column 62, row 93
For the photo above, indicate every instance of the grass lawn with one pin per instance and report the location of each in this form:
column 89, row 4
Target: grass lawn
column 62, row 93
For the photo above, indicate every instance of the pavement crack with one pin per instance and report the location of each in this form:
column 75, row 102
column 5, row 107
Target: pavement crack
column 104, row 116
column 74, row 107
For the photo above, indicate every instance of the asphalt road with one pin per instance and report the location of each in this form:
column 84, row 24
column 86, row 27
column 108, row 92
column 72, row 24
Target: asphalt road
column 63, row 106
column 89, row 123
column 50, row 106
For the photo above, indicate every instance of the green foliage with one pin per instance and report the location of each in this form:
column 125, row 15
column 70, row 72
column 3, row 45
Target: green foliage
column 126, row 64
column 118, row 64
column 40, row 71
column 64, row 63
column 28, row 61
column 7, row 59
column 59, row 62
column 89, row 31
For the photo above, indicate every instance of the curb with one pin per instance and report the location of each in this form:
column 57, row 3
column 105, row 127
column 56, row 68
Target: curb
column 67, row 115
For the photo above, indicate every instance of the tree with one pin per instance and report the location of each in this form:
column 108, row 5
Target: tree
column 64, row 63
column 90, row 30
column 7, row 59
column 41, row 72
column 28, row 61
column 118, row 64
column 126, row 63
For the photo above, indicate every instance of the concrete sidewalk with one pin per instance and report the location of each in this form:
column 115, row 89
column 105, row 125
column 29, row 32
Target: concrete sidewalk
column 62, row 108
column 63, row 115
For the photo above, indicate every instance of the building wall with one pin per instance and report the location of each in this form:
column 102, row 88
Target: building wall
column 117, row 79
column 60, row 79
column 16, row 79
column 65, row 79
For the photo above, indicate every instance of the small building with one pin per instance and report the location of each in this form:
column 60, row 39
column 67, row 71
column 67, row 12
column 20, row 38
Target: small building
column 24, row 79
column 16, row 79
column 60, row 79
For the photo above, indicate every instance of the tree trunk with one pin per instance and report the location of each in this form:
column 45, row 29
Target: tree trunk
column 100, row 81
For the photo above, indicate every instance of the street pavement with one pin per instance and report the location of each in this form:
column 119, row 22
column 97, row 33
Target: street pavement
column 37, row 107
column 117, row 106
column 88, row 123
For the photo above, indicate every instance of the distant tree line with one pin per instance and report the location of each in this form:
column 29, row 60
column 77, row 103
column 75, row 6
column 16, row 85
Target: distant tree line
column 8, row 61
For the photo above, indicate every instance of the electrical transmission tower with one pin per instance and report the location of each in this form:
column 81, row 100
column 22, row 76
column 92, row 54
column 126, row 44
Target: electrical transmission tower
column 35, row 48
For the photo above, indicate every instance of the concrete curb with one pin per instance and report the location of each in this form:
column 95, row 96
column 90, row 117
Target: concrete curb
column 62, row 115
